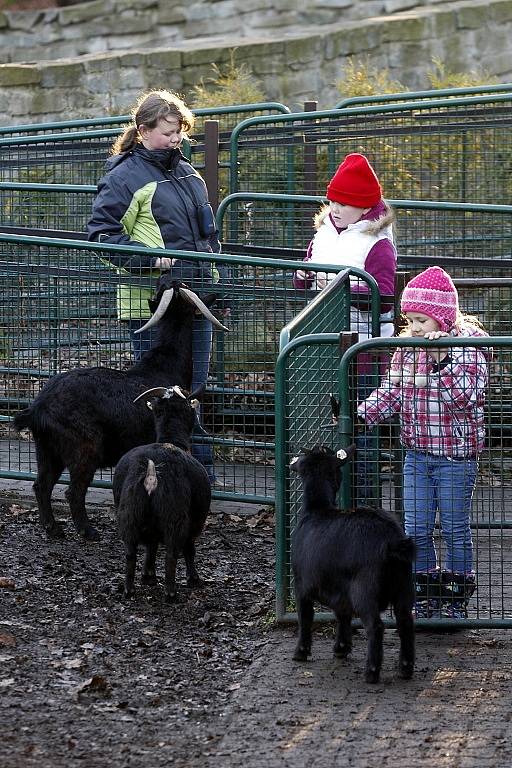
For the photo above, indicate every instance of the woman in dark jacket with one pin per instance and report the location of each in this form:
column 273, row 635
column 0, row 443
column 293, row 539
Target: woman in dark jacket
column 151, row 196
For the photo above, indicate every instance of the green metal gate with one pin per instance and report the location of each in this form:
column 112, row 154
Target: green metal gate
column 491, row 519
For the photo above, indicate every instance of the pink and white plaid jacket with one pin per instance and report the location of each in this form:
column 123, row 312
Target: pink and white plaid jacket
column 443, row 416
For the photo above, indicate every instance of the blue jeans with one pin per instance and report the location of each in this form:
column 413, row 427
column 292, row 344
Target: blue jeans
column 201, row 351
column 437, row 484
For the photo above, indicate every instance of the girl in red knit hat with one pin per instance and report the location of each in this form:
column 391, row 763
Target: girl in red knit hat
column 355, row 230
column 439, row 394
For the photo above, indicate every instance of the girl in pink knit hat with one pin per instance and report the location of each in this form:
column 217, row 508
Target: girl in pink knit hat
column 354, row 230
column 439, row 394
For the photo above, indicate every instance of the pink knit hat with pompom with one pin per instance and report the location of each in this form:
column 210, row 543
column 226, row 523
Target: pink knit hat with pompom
column 432, row 293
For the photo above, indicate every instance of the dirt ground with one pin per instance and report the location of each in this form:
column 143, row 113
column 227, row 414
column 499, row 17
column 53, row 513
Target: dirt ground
column 89, row 679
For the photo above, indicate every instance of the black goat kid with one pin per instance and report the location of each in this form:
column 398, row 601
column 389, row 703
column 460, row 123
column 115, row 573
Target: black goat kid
column 86, row 418
column 161, row 493
column 357, row 563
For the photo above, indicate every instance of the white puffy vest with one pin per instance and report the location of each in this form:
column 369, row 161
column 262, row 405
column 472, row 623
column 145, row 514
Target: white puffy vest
column 349, row 248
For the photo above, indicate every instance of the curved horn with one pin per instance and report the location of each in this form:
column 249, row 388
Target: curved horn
column 193, row 298
column 178, row 391
column 160, row 310
column 154, row 392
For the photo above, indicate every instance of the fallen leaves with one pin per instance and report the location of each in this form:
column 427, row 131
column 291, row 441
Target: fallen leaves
column 95, row 685
column 7, row 583
column 7, row 640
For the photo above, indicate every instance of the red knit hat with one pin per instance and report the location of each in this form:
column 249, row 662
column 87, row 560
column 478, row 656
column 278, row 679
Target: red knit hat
column 355, row 183
column 432, row 293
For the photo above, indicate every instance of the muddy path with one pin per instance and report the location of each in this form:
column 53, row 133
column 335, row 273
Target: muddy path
column 89, row 679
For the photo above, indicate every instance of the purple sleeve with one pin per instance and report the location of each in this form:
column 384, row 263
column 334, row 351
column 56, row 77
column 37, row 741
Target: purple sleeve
column 381, row 264
column 299, row 282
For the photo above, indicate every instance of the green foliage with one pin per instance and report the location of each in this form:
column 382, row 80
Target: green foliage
column 441, row 77
column 364, row 79
column 235, row 84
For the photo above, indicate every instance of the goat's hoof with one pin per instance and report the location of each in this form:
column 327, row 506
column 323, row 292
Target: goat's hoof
column 55, row 531
column 128, row 594
column 372, row 676
column 195, row 583
column 171, row 597
column 149, row 579
column 90, row 533
column 342, row 651
column 301, row 654
column 405, row 670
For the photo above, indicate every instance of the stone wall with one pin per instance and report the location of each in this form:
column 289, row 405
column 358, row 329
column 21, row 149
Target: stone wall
column 293, row 66
column 113, row 25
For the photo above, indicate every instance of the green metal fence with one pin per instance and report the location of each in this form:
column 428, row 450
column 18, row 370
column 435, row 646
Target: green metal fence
column 444, row 149
column 491, row 517
column 228, row 116
column 58, row 311
column 46, row 207
column 467, row 239
column 75, row 151
column 429, row 95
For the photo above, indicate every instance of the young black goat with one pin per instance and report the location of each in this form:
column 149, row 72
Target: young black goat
column 88, row 418
column 357, row 563
column 161, row 493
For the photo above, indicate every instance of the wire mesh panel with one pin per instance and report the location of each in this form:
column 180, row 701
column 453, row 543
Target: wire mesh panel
column 436, row 93
column 59, row 311
column 446, row 149
column 467, row 239
column 459, row 509
column 75, row 151
column 306, row 372
column 426, row 470
column 53, row 207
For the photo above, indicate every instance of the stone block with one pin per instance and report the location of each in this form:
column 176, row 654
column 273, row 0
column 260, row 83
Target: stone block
column 442, row 23
column 83, row 12
column 62, row 74
column 164, row 59
column 14, row 75
column 472, row 16
column 4, row 23
column 24, row 19
column 170, row 14
column 500, row 12
column 393, row 6
column 404, row 27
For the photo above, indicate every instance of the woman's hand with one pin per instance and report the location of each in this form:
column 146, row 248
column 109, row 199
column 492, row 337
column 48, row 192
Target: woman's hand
column 437, row 354
column 164, row 262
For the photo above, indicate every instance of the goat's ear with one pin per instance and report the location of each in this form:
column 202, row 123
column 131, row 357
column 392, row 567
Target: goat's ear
column 335, row 408
column 195, row 404
column 345, row 454
column 148, row 403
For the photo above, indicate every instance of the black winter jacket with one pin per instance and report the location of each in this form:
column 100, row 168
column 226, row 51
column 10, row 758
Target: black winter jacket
column 150, row 198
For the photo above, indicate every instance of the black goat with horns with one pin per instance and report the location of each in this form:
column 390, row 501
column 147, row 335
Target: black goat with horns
column 86, row 419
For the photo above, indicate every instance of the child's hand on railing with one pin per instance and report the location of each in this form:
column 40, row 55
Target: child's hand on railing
column 437, row 354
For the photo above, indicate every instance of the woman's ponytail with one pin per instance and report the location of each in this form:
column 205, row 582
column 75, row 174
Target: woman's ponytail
column 126, row 141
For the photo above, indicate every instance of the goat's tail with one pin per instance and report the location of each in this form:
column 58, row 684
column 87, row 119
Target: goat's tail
column 403, row 549
column 151, row 479
column 23, row 420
